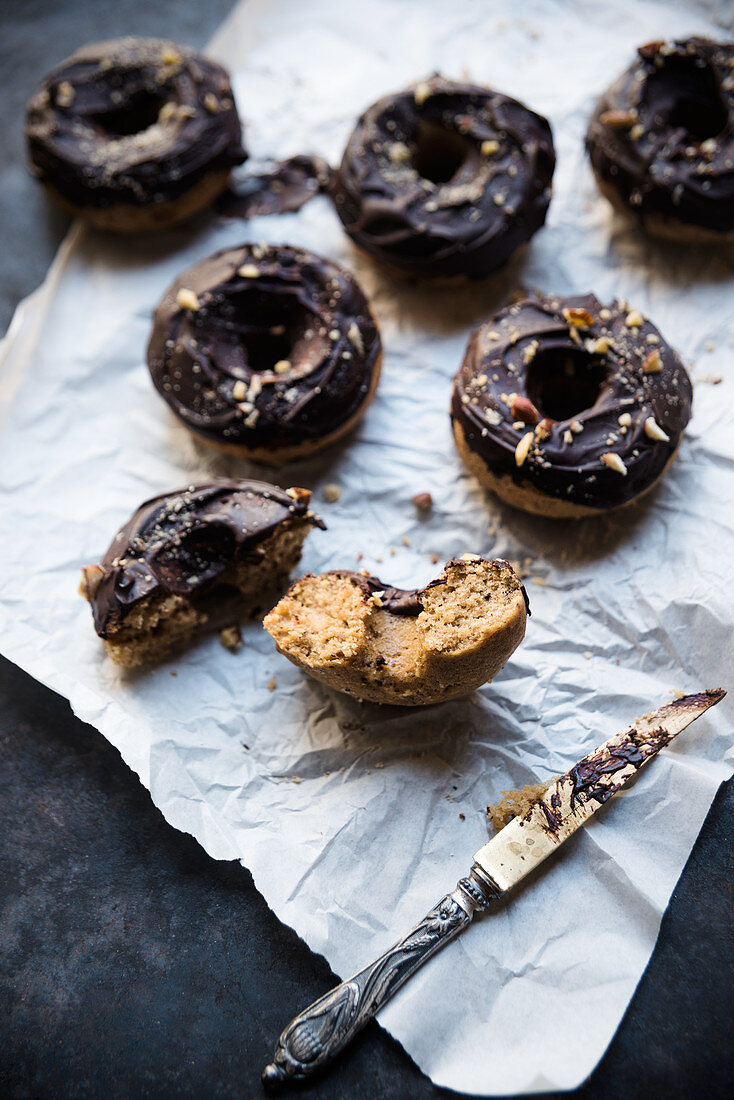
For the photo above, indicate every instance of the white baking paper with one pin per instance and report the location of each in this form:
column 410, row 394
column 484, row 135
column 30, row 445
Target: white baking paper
column 355, row 819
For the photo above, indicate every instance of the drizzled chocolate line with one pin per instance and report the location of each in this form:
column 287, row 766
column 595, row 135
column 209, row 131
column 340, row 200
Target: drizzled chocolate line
column 264, row 347
column 134, row 121
column 182, row 543
column 282, row 188
column 469, row 224
column 662, row 136
column 639, row 377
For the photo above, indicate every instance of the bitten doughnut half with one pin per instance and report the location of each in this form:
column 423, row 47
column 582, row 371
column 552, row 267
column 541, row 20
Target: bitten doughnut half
column 445, row 180
column 567, row 408
column 661, row 140
column 134, row 134
column 185, row 555
column 391, row 645
column 270, row 353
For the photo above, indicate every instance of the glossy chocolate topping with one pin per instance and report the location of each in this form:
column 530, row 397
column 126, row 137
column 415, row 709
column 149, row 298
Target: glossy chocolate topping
column 134, row 121
column 182, row 543
column 264, row 347
column 445, row 179
column 592, row 390
column 662, row 135
column 282, row 187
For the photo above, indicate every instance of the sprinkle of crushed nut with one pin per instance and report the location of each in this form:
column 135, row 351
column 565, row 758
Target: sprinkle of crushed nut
column 169, row 56
column 523, row 448
column 637, row 131
column 186, row 299
column 576, row 427
column 544, row 429
column 332, row 493
column 708, row 147
column 602, row 345
column 355, row 337
column 489, row 148
column 567, row 436
column 605, row 314
column 231, row 638
column 282, row 366
column 399, row 153
column 578, row 318
column 65, row 94
column 239, row 390
column 652, row 364
column 272, row 684
column 211, row 103
column 655, row 432
column 377, row 598
column 422, row 93
column 423, row 501
column 249, row 271
column 633, row 319
column 651, row 338
column 618, row 120
column 614, row 462
column 624, row 420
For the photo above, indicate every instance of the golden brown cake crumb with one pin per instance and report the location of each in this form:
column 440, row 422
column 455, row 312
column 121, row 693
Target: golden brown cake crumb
column 516, row 803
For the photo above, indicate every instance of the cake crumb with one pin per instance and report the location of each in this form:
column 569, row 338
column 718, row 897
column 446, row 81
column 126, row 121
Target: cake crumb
column 272, row 684
column 332, row 493
column 462, row 817
column 516, row 803
column 231, row 638
column 174, row 672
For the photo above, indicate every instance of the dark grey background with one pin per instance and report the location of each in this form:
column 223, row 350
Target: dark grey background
column 130, row 963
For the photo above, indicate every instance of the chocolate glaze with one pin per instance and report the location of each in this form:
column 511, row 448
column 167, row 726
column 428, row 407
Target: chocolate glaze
column 506, row 356
column 407, row 601
column 290, row 307
column 283, row 187
column 662, row 135
column 467, row 225
column 134, row 121
column 183, row 542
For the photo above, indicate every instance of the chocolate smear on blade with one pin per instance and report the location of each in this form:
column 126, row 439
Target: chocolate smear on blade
column 284, row 186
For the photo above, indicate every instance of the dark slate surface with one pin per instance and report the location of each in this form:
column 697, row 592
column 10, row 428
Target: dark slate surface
column 133, row 965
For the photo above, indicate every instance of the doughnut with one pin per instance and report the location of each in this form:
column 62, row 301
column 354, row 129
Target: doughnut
column 445, row 180
column 394, row 645
column 185, row 555
column 134, row 134
column 661, row 141
column 567, row 408
column 270, row 353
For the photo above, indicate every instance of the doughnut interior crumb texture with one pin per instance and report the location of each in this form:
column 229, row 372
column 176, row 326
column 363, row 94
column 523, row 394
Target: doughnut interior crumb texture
column 164, row 622
column 472, row 621
column 516, row 803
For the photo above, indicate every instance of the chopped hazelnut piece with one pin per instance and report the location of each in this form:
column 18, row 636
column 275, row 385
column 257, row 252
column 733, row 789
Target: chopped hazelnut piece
column 489, row 148
column 522, row 409
column 578, row 318
column 576, row 427
column 614, row 462
column 211, row 103
column 249, row 271
column 282, row 366
column 88, row 585
column 186, row 299
column 655, row 432
column 422, row 93
column 619, row 120
column 65, row 94
column 624, row 420
column 634, row 319
column 399, row 153
column 652, row 364
column 523, row 448
column 239, row 390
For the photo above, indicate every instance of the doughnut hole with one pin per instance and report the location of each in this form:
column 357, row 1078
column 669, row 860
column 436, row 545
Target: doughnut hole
column 685, row 95
column 268, row 325
column 438, row 153
column 139, row 113
column 563, row 382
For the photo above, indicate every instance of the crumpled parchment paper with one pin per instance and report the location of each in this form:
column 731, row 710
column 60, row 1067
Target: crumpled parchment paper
column 355, row 819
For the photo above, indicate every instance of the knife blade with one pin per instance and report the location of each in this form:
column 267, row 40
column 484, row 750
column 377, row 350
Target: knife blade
column 318, row 1034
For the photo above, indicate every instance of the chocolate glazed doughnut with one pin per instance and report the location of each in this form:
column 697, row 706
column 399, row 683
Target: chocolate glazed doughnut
column 270, row 353
column 445, row 180
column 134, row 133
column 567, row 408
column 661, row 140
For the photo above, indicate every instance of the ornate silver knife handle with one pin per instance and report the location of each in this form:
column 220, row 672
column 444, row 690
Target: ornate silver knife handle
column 316, row 1036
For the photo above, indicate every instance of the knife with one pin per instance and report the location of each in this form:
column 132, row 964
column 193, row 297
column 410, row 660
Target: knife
column 316, row 1036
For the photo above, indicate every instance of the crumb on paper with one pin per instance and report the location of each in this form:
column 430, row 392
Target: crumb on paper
column 405, row 540
column 231, row 638
column 435, row 559
column 296, row 779
column 332, row 493
column 588, row 654
column 272, row 684
column 462, row 817
column 516, row 803
column 174, row 672
column 423, row 502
